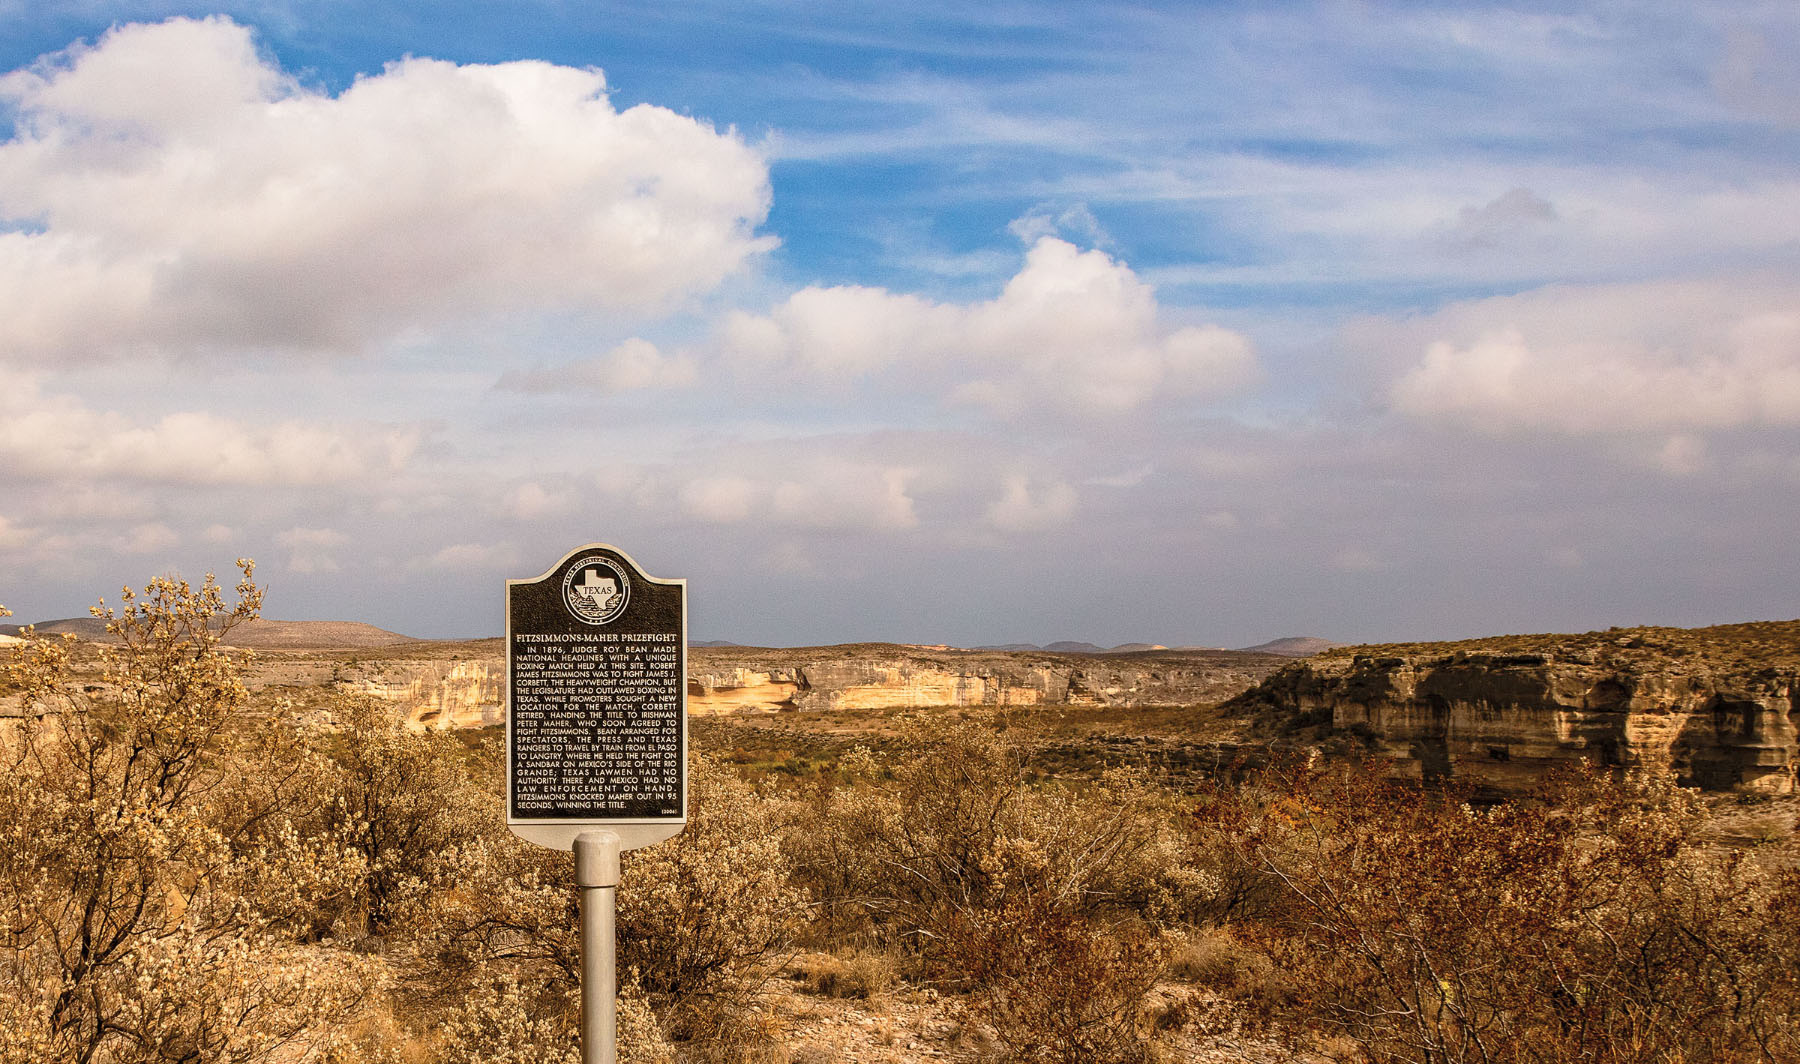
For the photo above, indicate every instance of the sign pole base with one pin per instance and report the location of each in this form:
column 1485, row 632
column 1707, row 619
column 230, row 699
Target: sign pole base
column 597, row 880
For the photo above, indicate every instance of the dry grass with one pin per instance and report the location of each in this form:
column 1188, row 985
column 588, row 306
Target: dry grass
column 865, row 975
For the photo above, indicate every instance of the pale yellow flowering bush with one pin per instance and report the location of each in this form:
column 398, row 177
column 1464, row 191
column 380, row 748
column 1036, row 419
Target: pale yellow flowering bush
column 708, row 911
column 501, row 1021
column 402, row 802
column 297, row 859
column 501, row 903
column 123, row 934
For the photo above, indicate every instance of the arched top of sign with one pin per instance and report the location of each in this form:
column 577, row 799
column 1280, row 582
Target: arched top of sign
column 625, row 562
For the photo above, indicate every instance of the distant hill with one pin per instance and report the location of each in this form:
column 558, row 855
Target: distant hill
column 1068, row 647
column 1294, row 646
column 256, row 634
column 712, row 643
column 91, row 628
column 276, row 635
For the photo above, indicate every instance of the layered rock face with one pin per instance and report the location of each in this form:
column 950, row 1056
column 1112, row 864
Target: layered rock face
column 465, row 686
column 440, row 694
column 1719, row 719
column 735, row 679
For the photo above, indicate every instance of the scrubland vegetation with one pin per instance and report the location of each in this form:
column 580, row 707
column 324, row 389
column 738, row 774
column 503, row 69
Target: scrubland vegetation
column 185, row 880
column 1755, row 644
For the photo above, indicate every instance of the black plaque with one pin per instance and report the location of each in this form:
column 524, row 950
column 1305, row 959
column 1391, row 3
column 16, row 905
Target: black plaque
column 596, row 675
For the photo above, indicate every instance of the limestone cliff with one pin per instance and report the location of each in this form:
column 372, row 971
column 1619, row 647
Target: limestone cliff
column 441, row 694
column 885, row 676
column 432, row 684
column 1719, row 706
column 464, row 684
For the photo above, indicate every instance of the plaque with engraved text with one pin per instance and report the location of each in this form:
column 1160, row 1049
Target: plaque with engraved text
column 596, row 716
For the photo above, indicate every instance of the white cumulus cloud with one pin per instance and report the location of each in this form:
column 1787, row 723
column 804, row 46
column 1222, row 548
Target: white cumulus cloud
column 14, row 537
column 60, row 437
column 1675, row 357
column 152, row 538
column 1074, row 331
column 1517, row 215
column 171, row 189
column 531, row 501
column 468, row 557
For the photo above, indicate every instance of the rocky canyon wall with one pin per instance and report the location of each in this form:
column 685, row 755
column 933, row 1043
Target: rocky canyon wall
column 730, row 680
column 1720, row 716
column 440, row 694
column 439, row 689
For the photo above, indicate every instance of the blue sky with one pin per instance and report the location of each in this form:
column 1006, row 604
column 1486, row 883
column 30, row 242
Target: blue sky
column 1194, row 324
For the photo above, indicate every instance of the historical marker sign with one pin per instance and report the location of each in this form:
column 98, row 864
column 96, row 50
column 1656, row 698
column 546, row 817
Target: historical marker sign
column 596, row 715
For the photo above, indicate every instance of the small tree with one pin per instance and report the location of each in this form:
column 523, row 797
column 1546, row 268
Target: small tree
column 121, row 936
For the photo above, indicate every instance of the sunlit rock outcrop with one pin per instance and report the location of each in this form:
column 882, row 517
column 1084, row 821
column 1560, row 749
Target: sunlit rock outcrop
column 439, row 694
column 886, row 676
column 1720, row 707
column 465, row 686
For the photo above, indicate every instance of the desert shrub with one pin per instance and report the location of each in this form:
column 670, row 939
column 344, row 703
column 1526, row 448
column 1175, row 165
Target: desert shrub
column 499, row 1021
column 1588, row 924
column 340, row 829
column 702, row 919
column 499, row 900
column 1032, row 896
column 1057, row 982
column 904, row 844
column 503, row 1021
column 1235, row 884
column 296, row 860
column 401, row 801
column 123, row 932
column 705, row 918
column 910, row 845
column 1218, row 960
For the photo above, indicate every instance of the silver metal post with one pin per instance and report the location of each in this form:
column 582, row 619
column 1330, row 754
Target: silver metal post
column 597, row 878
